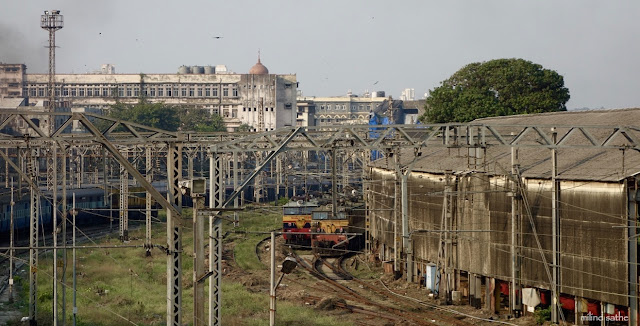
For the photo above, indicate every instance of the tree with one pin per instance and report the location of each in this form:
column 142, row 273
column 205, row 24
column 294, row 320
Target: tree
column 200, row 120
column 156, row 115
column 167, row 117
column 495, row 88
column 244, row 128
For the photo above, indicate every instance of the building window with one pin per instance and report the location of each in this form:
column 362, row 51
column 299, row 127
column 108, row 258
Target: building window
column 225, row 92
column 160, row 91
column 168, row 89
column 191, row 92
column 287, row 85
column 207, row 92
column 32, row 92
column 152, row 92
column 288, row 106
column 244, row 109
column 235, row 92
column 329, row 107
column 215, row 92
column 136, row 91
column 120, row 91
column 89, row 92
column 128, row 91
column 183, row 91
column 199, row 92
column 105, row 92
column 321, row 107
column 81, row 92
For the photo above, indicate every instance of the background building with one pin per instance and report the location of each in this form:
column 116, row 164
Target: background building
column 238, row 98
column 408, row 94
column 349, row 110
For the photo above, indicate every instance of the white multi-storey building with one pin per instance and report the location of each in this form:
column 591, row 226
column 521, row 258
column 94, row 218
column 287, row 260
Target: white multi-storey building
column 408, row 94
column 238, row 98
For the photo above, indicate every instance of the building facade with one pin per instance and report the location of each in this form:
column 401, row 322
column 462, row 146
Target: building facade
column 258, row 99
column 324, row 111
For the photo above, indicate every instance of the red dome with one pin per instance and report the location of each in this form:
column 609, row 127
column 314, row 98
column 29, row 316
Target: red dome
column 259, row 69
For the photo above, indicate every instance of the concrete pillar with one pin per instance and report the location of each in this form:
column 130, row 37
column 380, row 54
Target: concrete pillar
column 472, row 289
column 478, row 297
column 489, row 288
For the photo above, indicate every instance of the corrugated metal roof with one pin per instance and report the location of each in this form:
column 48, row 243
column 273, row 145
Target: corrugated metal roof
column 581, row 164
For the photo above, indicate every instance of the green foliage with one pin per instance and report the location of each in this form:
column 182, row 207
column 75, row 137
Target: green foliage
column 263, row 219
column 281, row 201
column 541, row 315
column 495, row 88
column 244, row 128
column 200, row 120
column 156, row 115
column 167, row 117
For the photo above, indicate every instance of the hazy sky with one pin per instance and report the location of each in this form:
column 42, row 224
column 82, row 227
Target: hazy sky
column 334, row 46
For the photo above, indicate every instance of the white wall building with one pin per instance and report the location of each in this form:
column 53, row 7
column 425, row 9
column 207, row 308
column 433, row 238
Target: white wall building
column 408, row 94
column 238, row 98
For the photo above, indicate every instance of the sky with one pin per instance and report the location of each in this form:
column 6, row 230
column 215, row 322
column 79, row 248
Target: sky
column 336, row 46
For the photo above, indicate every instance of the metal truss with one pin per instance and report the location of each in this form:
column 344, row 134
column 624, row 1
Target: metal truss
column 124, row 202
column 216, row 197
column 174, row 237
column 325, row 137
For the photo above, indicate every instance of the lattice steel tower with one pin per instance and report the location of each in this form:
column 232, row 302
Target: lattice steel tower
column 51, row 21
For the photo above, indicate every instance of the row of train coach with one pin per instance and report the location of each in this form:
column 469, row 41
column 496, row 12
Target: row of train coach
column 311, row 224
column 89, row 201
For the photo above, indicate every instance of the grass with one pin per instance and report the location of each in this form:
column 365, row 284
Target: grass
column 264, row 219
column 120, row 286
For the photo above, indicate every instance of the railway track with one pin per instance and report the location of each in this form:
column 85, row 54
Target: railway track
column 374, row 301
column 349, row 294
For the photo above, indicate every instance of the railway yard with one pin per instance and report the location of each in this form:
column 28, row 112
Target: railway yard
column 382, row 230
column 339, row 289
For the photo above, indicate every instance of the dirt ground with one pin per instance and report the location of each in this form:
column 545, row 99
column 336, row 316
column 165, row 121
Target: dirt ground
column 302, row 288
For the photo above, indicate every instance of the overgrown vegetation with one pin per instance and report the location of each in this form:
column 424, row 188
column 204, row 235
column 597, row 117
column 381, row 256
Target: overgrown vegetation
column 263, row 219
column 118, row 285
column 542, row 314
